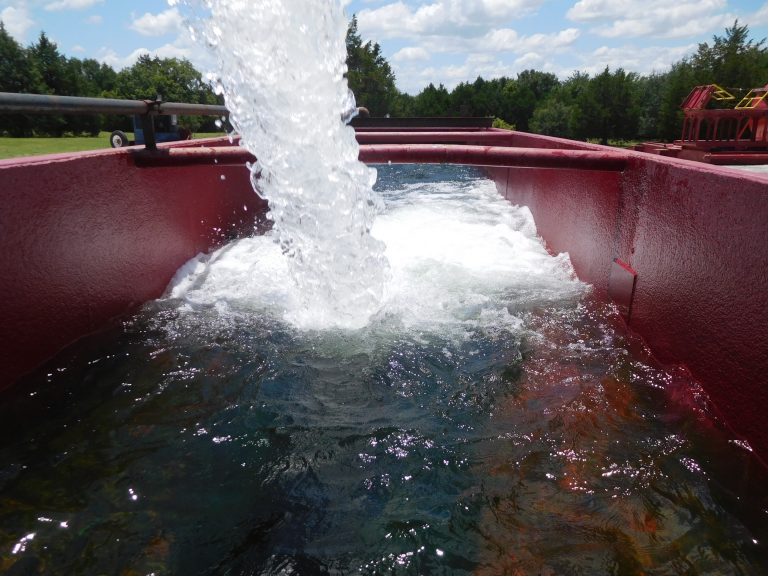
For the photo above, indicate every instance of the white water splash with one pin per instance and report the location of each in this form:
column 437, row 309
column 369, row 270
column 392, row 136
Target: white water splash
column 281, row 66
column 461, row 259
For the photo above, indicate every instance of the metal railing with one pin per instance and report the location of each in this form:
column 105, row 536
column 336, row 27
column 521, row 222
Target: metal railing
column 12, row 103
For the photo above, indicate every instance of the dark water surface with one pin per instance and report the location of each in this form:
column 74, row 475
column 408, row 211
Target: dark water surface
column 178, row 443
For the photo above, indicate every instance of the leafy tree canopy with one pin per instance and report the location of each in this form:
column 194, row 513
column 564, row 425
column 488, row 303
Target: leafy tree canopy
column 368, row 74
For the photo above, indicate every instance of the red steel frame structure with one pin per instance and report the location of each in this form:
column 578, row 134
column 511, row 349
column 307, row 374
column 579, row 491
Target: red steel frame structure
column 736, row 135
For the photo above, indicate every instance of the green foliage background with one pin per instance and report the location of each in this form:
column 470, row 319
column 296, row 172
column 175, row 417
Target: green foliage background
column 42, row 69
column 609, row 106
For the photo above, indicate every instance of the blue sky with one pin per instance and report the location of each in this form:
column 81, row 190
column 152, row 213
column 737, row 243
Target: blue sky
column 439, row 41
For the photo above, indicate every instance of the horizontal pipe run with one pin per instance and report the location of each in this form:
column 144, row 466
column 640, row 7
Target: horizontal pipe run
column 409, row 154
column 435, row 137
column 11, row 103
column 608, row 160
column 222, row 155
column 183, row 109
column 420, row 129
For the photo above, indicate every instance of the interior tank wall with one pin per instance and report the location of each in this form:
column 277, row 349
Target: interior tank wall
column 695, row 236
column 88, row 237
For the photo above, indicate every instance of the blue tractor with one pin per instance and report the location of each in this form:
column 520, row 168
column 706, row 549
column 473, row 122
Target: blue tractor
column 166, row 129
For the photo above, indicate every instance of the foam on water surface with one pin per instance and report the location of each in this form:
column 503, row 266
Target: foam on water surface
column 460, row 257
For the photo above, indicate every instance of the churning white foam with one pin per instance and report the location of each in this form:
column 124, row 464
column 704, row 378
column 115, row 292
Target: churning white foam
column 441, row 255
column 460, row 258
column 281, row 66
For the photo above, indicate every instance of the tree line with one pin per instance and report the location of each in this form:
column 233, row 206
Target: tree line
column 612, row 105
column 41, row 69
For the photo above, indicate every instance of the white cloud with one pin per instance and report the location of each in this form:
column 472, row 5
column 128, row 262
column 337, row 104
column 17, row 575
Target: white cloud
column 182, row 47
column 508, row 40
column 17, row 21
column 71, row 5
column 504, row 40
column 761, row 16
column 477, row 31
column 654, row 18
column 78, row 49
column 112, row 58
column 451, row 75
column 460, row 17
column 165, row 22
column 644, row 60
column 596, row 10
column 529, row 60
column 96, row 19
column 410, row 53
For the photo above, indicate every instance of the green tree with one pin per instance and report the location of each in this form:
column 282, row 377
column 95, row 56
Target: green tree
column 650, row 95
column 490, row 98
column 98, row 79
column 733, row 60
column 678, row 83
column 525, row 94
column 79, row 83
column 462, row 100
column 403, row 105
column 173, row 79
column 13, row 64
column 51, row 66
column 432, row 101
column 16, row 75
column 560, row 114
column 608, row 109
column 553, row 118
column 368, row 74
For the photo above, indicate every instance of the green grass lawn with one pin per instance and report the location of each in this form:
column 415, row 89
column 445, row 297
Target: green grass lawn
column 17, row 147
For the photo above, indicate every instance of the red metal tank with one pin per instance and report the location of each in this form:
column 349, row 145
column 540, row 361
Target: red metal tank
column 679, row 246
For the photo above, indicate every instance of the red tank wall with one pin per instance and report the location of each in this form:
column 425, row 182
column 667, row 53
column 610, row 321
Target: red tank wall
column 88, row 237
column 696, row 237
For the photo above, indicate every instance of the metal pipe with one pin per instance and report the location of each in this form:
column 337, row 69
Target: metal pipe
column 410, row 154
column 189, row 156
column 192, row 109
column 608, row 160
column 450, row 136
column 46, row 104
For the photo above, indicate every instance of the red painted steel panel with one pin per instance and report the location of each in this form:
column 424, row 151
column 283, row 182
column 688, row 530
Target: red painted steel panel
column 576, row 212
column 621, row 286
column 695, row 235
column 700, row 251
column 88, row 237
